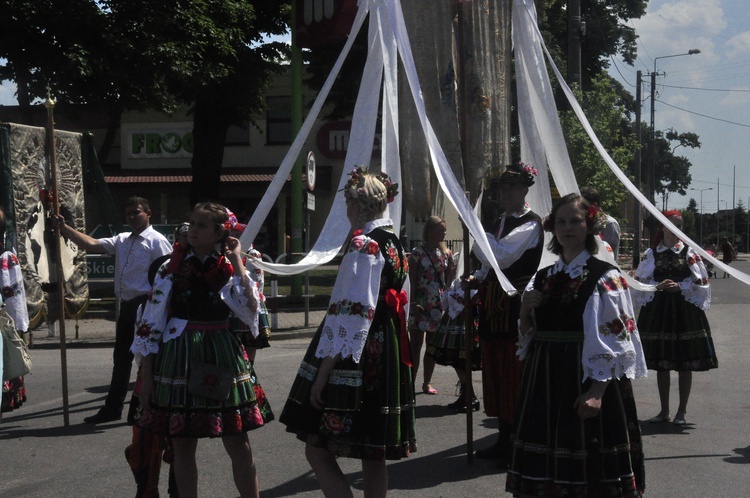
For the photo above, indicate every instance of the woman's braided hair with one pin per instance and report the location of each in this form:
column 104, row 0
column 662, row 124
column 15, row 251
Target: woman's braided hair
column 373, row 192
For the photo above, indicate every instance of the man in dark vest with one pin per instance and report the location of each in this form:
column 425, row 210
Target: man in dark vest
column 516, row 242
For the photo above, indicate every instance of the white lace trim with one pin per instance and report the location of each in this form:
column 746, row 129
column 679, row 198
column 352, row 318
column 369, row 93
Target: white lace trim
column 343, row 342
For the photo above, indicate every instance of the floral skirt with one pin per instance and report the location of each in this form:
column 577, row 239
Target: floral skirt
column 675, row 335
column 448, row 344
column 176, row 412
column 554, row 452
column 369, row 408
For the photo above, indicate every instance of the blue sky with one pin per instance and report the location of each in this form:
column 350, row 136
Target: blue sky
column 706, row 93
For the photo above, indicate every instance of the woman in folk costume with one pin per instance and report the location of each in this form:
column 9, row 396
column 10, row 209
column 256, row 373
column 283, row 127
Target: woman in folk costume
column 13, row 303
column 673, row 323
column 196, row 379
column 262, row 340
column 576, row 430
column 353, row 395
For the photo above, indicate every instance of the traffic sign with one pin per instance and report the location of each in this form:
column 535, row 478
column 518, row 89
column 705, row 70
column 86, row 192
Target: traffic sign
column 311, row 171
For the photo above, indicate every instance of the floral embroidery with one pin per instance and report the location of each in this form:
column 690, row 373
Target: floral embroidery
column 336, row 424
column 562, row 287
column 144, row 330
column 363, row 244
column 399, row 265
column 621, row 327
column 612, row 284
column 9, row 291
column 347, row 307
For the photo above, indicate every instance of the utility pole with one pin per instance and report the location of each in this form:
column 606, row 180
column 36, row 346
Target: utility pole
column 575, row 29
column 652, row 144
column 296, row 185
column 637, row 205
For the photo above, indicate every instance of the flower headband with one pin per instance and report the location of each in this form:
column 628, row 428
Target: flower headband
column 232, row 223
column 355, row 186
column 595, row 218
column 519, row 173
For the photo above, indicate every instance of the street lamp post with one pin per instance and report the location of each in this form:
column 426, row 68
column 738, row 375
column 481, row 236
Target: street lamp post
column 652, row 162
column 700, row 214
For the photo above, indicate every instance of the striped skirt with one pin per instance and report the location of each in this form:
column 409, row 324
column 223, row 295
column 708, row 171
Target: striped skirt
column 675, row 335
column 369, row 407
column 501, row 378
column 448, row 344
column 246, row 336
column 176, row 412
column 556, row 453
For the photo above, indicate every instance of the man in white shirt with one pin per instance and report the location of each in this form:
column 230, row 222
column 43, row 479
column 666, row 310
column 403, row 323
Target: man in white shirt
column 134, row 252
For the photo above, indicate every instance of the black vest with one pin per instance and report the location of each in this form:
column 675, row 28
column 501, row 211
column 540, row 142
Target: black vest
column 565, row 298
column 498, row 315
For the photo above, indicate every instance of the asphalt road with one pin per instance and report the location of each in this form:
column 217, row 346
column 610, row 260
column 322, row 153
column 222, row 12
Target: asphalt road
column 710, row 456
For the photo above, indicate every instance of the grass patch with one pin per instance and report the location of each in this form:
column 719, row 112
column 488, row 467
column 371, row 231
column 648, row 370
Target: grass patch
column 321, row 285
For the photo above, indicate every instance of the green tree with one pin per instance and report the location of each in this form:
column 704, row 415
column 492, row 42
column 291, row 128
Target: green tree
column 607, row 32
column 671, row 172
column 118, row 55
column 608, row 118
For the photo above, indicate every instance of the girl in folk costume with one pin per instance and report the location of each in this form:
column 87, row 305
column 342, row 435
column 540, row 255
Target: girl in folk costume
column 576, row 431
column 196, row 379
column 673, row 323
column 448, row 344
column 13, row 303
column 353, row 395
column 431, row 269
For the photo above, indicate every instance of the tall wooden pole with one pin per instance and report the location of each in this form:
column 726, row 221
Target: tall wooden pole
column 468, row 312
column 60, row 278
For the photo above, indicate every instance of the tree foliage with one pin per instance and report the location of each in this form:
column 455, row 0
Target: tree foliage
column 118, row 55
column 607, row 33
column 608, row 119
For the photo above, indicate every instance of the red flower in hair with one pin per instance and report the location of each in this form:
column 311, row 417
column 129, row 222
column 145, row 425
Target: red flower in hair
column 592, row 211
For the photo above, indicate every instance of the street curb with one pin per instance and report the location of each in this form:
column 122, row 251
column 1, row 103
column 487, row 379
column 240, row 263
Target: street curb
column 281, row 335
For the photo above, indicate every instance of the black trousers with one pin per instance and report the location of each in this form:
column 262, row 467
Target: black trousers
column 122, row 358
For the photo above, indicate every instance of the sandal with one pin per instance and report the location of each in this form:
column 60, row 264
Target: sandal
column 659, row 419
column 428, row 389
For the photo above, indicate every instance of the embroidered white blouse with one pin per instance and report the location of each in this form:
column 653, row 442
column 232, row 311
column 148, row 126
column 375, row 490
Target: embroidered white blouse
column 508, row 249
column 154, row 325
column 354, row 297
column 695, row 288
column 611, row 343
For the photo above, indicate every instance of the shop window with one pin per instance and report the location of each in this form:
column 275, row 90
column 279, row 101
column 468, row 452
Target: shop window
column 279, row 121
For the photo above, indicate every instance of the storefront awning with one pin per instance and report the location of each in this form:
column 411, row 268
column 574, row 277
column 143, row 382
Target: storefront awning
column 244, row 178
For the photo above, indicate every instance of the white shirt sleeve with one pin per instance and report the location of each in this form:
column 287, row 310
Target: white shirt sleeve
column 644, row 273
column 611, row 345
column 696, row 289
column 507, row 250
column 353, row 301
column 152, row 324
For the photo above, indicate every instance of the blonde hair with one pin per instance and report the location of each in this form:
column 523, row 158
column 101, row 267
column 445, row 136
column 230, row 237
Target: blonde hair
column 433, row 222
column 370, row 193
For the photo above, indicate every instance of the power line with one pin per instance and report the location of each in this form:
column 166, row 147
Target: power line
column 614, row 63
column 739, row 90
column 703, row 115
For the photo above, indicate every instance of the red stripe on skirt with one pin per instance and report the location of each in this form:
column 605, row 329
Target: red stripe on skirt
column 501, row 378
